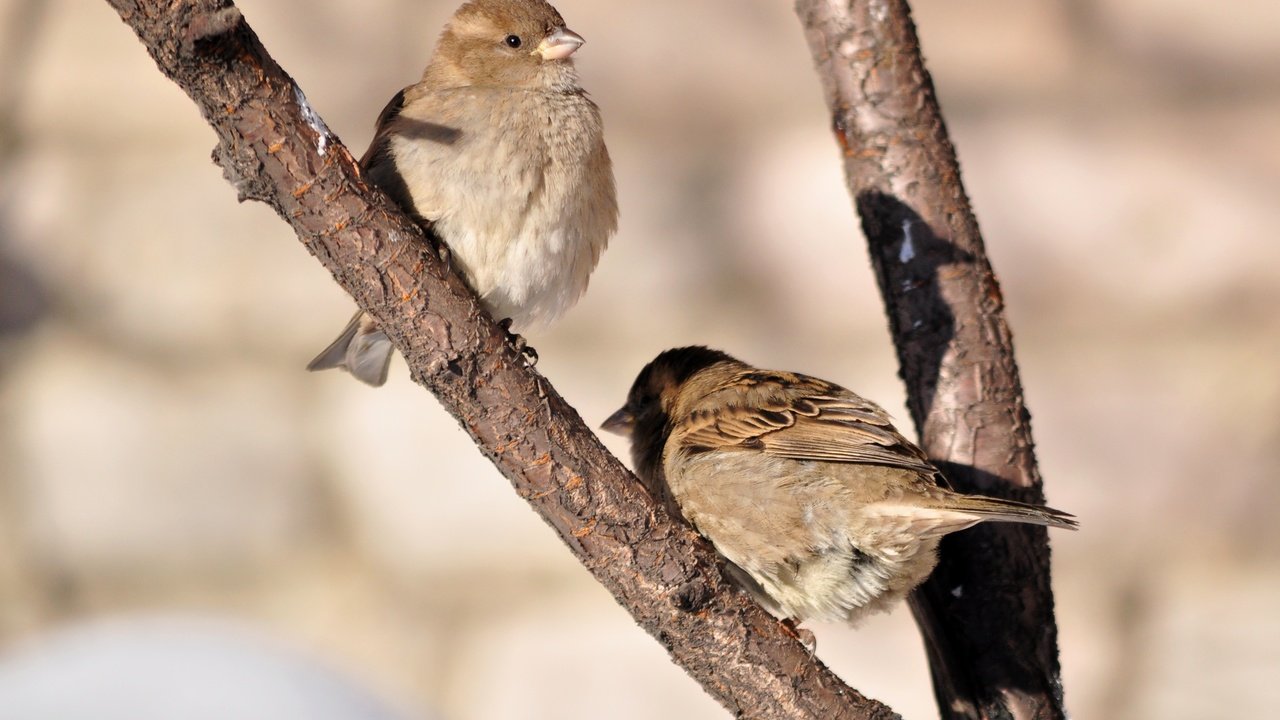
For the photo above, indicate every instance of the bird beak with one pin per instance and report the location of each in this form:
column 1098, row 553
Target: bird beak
column 620, row 423
column 560, row 44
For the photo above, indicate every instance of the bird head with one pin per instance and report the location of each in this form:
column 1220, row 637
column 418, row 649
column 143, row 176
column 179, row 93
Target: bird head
column 518, row 44
column 646, row 418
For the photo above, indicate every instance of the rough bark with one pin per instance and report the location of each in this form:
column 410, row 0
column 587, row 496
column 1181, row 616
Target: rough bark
column 987, row 612
column 274, row 148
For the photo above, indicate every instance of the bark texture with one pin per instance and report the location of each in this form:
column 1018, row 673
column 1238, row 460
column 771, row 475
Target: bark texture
column 987, row 611
column 274, row 148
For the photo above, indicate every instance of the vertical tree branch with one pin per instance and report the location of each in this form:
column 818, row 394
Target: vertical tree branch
column 987, row 612
column 274, row 148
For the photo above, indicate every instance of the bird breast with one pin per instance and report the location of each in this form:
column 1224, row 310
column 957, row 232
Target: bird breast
column 523, row 194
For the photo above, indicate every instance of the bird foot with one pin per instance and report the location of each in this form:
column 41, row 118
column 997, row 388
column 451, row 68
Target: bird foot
column 806, row 637
column 521, row 345
column 445, row 253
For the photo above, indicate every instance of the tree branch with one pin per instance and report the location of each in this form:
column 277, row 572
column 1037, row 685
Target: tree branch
column 987, row 611
column 274, row 148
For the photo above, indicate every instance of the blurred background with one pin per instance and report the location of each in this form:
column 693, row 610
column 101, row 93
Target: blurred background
column 164, row 455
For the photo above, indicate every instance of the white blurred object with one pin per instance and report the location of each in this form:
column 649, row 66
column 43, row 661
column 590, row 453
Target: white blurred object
column 170, row 669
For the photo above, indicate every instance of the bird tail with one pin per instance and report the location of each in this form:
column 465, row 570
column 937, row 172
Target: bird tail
column 954, row 512
column 362, row 350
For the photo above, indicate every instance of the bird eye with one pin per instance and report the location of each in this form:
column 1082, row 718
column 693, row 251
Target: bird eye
column 512, row 41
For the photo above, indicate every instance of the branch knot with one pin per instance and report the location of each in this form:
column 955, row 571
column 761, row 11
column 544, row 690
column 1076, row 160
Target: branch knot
column 206, row 29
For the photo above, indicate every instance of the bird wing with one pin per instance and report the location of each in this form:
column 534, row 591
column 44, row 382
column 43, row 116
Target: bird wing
column 398, row 119
column 381, row 132
column 800, row 418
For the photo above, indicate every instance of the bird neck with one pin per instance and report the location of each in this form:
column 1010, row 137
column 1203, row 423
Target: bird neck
column 443, row 73
column 648, row 439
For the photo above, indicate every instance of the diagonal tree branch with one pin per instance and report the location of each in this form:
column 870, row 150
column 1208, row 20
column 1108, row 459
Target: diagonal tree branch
column 275, row 149
column 987, row 611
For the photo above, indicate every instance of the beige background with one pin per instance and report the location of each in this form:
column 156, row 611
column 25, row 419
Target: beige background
column 162, row 451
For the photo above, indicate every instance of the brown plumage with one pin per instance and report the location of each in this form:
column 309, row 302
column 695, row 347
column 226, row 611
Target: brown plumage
column 824, row 510
column 498, row 148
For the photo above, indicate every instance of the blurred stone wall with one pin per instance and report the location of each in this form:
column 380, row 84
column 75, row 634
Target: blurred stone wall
column 162, row 450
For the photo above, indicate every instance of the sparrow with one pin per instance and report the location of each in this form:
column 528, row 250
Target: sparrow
column 498, row 149
column 823, row 510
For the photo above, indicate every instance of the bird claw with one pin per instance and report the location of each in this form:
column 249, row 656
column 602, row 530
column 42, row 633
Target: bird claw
column 530, row 355
column 521, row 345
column 445, row 253
column 806, row 637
